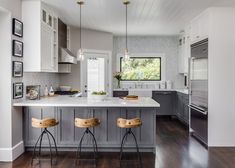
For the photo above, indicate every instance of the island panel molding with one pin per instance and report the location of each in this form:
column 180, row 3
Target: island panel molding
column 108, row 134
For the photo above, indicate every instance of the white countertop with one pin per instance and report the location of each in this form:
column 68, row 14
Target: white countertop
column 184, row 91
column 67, row 101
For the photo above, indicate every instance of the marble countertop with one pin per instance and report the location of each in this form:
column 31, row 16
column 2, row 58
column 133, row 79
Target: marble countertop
column 67, row 101
column 184, row 91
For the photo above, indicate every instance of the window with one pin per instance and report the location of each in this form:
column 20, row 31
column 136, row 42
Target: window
column 141, row 69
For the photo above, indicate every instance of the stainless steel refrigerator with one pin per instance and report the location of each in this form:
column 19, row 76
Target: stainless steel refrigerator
column 199, row 91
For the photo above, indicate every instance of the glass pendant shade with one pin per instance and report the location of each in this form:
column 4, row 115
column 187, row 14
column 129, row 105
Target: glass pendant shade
column 126, row 55
column 80, row 55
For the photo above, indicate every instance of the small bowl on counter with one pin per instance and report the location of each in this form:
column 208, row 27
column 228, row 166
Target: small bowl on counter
column 65, row 88
column 100, row 96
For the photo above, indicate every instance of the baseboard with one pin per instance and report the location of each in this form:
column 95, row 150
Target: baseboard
column 10, row 154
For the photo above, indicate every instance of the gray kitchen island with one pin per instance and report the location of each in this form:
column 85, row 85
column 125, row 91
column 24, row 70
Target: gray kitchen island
column 65, row 109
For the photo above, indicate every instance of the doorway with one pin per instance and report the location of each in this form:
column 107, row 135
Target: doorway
column 96, row 72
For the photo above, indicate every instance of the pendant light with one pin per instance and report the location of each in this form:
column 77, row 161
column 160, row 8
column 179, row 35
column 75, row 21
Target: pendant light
column 126, row 52
column 80, row 55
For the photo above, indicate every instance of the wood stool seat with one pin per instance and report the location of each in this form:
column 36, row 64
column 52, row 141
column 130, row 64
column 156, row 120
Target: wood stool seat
column 129, row 123
column 87, row 123
column 44, row 123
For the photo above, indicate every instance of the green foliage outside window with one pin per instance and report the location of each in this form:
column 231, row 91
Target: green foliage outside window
column 141, row 68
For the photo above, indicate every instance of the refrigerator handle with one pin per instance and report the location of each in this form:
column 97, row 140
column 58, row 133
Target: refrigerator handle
column 190, row 74
column 198, row 109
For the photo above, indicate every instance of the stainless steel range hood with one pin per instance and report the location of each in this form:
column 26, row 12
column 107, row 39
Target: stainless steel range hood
column 67, row 57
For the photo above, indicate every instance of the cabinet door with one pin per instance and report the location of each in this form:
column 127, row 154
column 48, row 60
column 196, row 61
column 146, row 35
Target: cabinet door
column 187, row 48
column 200, row 27
column 47, row 49
column 181, row 55
column 186, row 109
column 204, row 25
column 166, row 101
column 180, row 109
column 194, row 33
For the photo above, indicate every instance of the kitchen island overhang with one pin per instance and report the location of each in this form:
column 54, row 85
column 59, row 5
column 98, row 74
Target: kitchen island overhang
column 65, row 109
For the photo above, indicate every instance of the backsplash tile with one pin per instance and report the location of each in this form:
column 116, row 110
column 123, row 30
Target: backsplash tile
column 167, row 45
column 42, row 79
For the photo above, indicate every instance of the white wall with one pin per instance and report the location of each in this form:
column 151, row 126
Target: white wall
column 10, row 118
column 11, row 144
column 5, row 73
column 163, row 45
column 222, row 77
column 91, row 39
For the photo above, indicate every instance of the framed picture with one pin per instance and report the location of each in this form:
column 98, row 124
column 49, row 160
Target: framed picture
column 17, row 28
column 18, row 90
column 17, row 69
column 17, row 48
column 33, row 92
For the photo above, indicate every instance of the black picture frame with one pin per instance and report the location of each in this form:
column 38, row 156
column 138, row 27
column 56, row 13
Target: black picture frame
column 17, row 27
column 17, row 69
column 17, row 48
column 18, row 90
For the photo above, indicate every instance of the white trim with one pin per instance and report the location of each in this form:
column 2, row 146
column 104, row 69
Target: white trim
column 10, row 154
column 163, row 64
column 110, row 79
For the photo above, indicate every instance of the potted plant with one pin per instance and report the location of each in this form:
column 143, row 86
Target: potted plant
column 118, row 76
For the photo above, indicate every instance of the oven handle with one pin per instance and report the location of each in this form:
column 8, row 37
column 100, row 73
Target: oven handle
column 205, row 112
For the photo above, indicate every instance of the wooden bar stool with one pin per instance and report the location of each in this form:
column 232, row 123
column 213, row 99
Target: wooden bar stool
column 129, row 124
column 45, row 123
column 87, row 123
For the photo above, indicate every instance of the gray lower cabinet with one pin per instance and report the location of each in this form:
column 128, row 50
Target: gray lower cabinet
column 182, row 109
column 166, row 99
column 108, row 135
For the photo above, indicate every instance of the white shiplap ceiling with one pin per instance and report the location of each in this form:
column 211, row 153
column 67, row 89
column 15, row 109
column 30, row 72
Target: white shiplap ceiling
column 146, row 17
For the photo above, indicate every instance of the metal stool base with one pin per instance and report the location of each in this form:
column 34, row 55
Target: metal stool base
column 45, row 131
column 79, row 148
column 129, row 132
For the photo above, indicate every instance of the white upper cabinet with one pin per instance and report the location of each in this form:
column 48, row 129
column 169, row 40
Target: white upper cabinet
column 184, row 50
column 199, row 27
column 40, row 37
column 197, row 30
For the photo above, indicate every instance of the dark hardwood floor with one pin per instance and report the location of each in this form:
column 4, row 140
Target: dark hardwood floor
column 175, row 149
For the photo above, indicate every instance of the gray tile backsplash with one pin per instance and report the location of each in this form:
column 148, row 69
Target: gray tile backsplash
column 167, row 45
column 42, row 79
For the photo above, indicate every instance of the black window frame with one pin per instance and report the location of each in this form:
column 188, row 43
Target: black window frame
column 144, row 58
